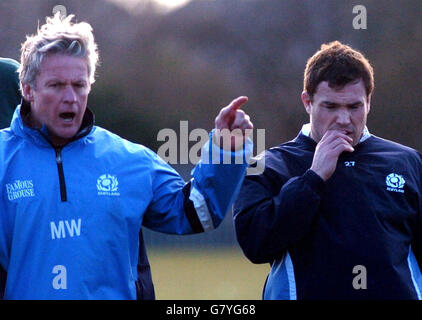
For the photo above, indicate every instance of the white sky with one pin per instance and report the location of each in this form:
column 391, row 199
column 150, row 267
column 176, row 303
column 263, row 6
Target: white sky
column 172, row 3
column 167, row 5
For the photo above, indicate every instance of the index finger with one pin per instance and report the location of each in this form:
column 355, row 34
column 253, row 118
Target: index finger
column 237, row 103
column 228, row 113
column 335, row 133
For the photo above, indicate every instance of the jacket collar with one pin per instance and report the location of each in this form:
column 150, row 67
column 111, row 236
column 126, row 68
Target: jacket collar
column 304, row 136
column 20, row 125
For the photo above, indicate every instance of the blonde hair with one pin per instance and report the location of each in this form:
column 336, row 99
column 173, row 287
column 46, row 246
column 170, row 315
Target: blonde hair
column 59, row 35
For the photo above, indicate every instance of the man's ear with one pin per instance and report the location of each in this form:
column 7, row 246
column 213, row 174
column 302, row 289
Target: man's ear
column 27, row 92
column 306, row 99
column 369, row 102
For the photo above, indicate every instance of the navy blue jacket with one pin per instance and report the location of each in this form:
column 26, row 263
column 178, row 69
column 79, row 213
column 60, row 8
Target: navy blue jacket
column 355, row 236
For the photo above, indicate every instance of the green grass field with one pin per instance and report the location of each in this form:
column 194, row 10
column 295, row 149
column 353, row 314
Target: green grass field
column 205, row 274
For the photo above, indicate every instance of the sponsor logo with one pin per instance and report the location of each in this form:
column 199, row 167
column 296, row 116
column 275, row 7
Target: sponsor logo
column 107, row 185
column 395, row 182
column 20, row 189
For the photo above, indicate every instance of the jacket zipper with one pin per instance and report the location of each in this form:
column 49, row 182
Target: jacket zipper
column 63, row 193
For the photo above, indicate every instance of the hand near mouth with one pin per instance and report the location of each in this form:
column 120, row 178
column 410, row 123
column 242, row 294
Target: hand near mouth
column 327, row 151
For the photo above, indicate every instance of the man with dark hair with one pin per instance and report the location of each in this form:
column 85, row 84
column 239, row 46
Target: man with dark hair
column 337, row 210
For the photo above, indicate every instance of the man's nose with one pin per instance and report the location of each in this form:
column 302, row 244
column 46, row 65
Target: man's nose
column 343, row 117
column 69, row 94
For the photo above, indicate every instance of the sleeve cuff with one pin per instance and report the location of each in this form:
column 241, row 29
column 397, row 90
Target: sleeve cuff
column 214, row 154
column 315, row 181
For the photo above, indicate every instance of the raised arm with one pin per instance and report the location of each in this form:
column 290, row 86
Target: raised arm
column 202, row 203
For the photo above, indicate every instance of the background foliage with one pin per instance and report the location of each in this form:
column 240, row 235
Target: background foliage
column 157, row 69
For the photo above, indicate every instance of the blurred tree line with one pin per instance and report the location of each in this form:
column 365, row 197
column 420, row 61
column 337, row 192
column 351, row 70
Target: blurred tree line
column 157, row 69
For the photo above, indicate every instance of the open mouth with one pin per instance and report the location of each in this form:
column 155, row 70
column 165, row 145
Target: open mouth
column 67, row 116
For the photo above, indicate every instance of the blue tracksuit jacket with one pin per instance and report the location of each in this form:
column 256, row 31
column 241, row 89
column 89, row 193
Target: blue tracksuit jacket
column 355, row 236
column 70, row 217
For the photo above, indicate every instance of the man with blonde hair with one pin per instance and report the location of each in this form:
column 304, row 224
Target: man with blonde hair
column 76, row 195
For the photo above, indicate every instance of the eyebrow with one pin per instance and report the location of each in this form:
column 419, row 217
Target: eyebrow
column 79, row 80
column 331, row 103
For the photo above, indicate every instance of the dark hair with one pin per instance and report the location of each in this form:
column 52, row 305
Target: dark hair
column 338, row 64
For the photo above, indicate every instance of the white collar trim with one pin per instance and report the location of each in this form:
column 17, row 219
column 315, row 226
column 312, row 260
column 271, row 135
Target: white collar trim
column 306, row 130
